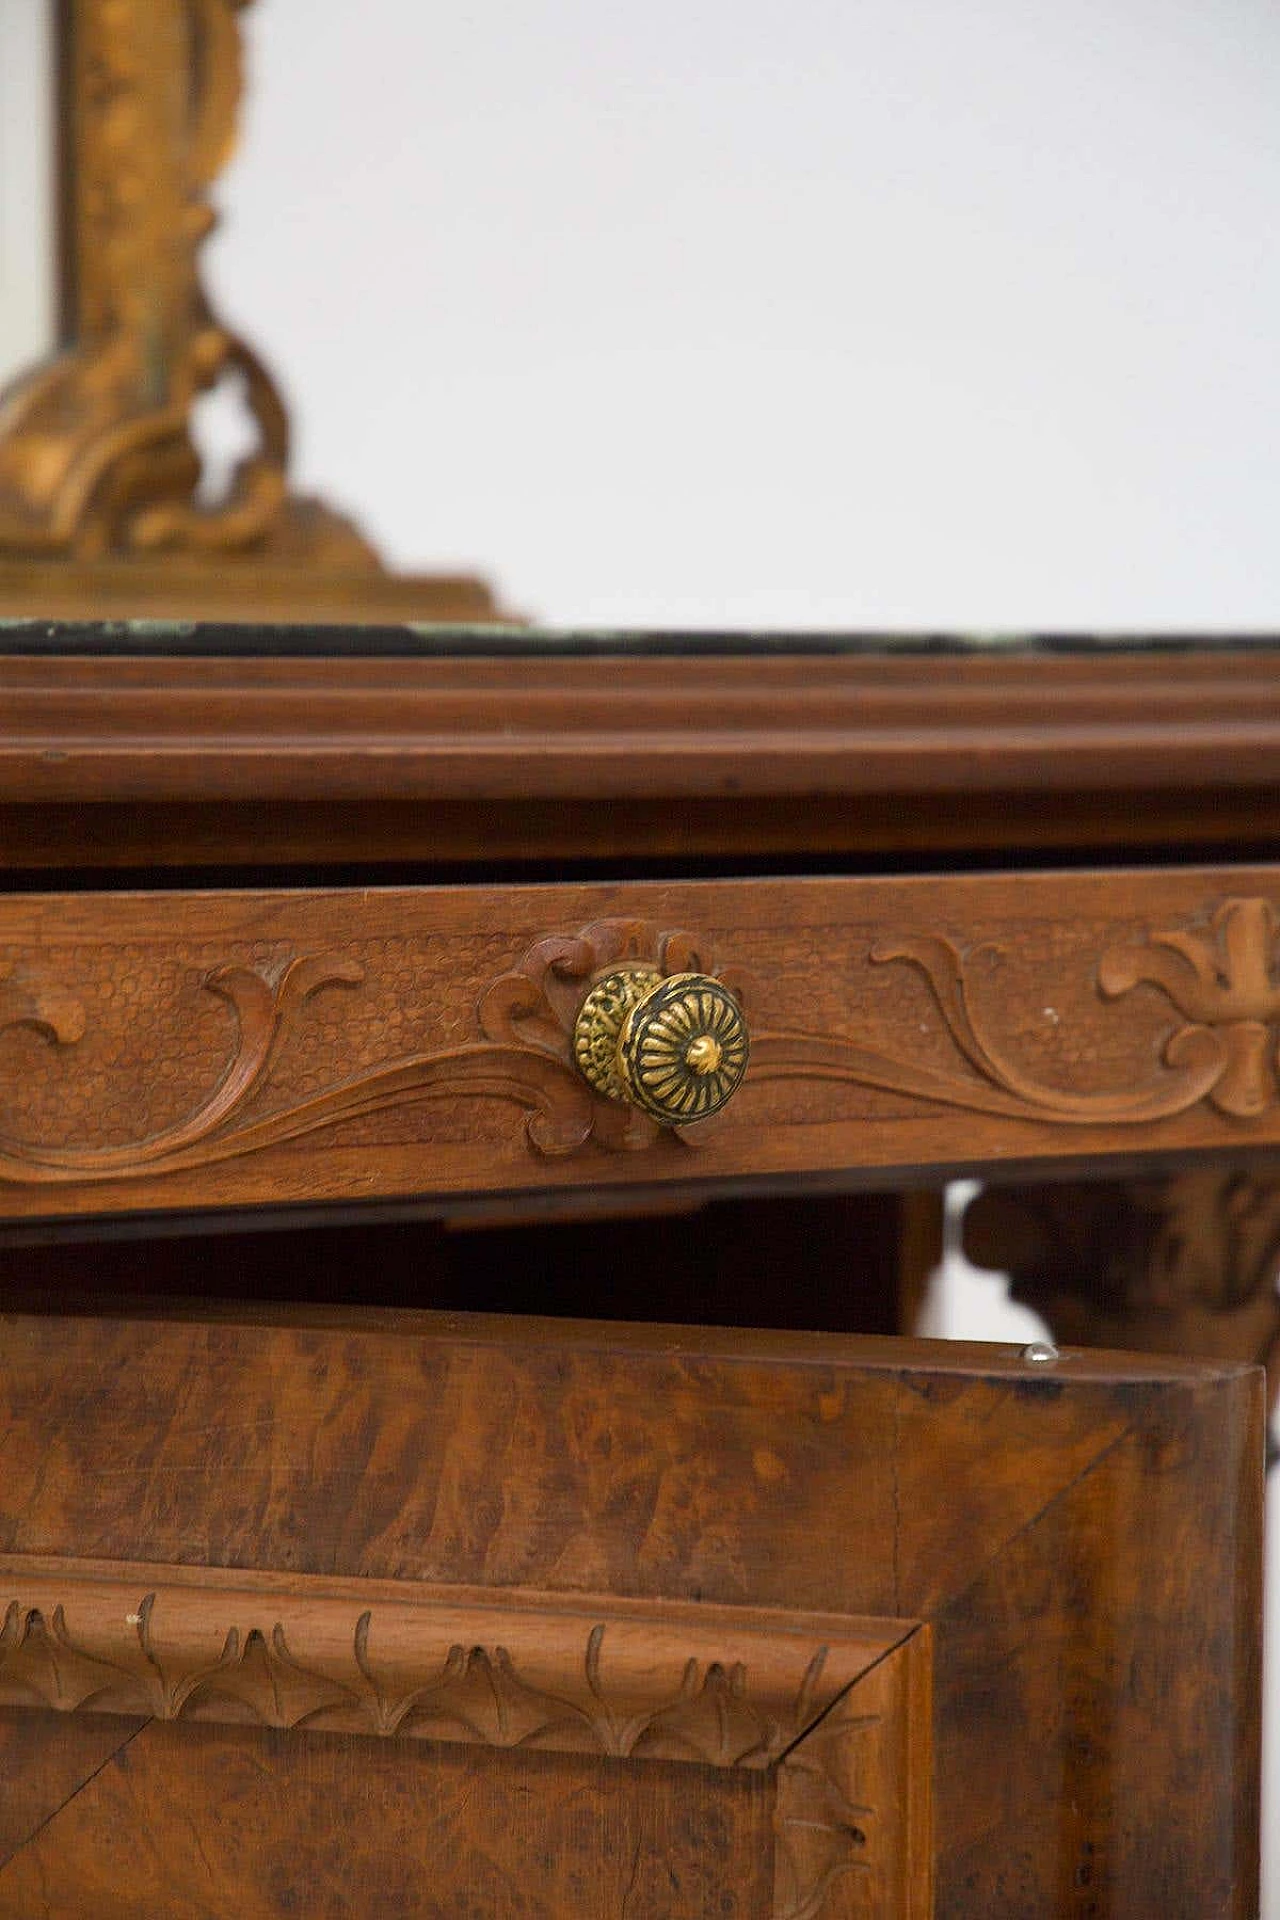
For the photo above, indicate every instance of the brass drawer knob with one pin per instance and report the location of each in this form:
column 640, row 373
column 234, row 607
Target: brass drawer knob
column 675, row 1046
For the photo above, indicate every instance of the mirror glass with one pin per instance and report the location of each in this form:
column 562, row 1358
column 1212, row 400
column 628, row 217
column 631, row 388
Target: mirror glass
column 28, row 185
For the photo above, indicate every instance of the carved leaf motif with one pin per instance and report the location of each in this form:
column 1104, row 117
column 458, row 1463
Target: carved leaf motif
column 557, row 1104
column 536, row 1005
column 526, row 1018
column 1227, row 1055
column 821, row 1835
column 948, row 974
column 1226, row 987
column 263, row 1676
column 479, row 1694
column 476, row 1694
column 174, row 1656
column 39, row 1660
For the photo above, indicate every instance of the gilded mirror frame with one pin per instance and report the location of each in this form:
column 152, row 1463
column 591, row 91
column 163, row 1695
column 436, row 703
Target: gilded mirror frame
column 100, row 505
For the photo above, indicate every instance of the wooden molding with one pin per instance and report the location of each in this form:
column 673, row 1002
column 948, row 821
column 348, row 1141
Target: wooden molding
column 723, row 1687
column 632, row 1680
column 829, row 1820
column 455, row 718
column 756, row 1498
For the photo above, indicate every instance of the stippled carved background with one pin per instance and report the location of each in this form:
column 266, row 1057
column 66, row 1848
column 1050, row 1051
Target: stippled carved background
column 220, row 1048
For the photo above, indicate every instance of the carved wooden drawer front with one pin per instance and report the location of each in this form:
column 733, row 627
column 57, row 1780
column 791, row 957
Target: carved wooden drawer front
column 393, row 1613
column 207, row 1049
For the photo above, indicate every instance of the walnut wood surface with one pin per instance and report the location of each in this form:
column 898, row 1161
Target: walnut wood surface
column 796, row 726
column 724, row 1687
column 44, row 1764
column 1082, row 1544
column 1071, row 1557
column 218, row 1049
column 834, row 1710
column 207, row 1822
column 1181, row 1264
column 437, row 841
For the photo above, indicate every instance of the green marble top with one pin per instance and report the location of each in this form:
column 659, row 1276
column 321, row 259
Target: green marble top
column 166, row 637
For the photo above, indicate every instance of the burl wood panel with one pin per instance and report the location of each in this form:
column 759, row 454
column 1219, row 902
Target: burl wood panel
column 207, row 1823
column 1081, row 1543
column 44, row 1765
column 172, row 1050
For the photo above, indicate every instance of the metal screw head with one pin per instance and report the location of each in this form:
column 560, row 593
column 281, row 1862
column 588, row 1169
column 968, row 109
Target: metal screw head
column 1040, row 1353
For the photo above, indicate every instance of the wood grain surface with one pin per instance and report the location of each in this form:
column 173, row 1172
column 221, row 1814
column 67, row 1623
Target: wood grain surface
column 211, row 1822
column 1081, row 1542
column 204, row 1050
column 464, row 725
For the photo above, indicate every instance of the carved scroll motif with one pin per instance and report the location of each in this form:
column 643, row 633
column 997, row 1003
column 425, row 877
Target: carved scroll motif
column 557, row 1105
column 523, row 1056
column 1224, row 1052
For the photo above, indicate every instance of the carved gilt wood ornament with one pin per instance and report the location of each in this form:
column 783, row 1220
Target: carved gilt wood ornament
column 529, row 1047
column 98, row 464
column 95, row 449
column 808, row 1697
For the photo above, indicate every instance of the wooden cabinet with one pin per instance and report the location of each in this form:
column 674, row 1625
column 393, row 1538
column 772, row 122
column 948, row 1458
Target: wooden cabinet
column 314, row 1602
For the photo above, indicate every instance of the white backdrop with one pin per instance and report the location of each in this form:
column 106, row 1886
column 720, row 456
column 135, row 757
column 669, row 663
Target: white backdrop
column 27, row 278
column 857, row 312
column 791, row 312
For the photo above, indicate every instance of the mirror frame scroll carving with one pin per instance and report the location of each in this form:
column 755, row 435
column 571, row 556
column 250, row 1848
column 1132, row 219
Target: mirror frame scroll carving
column 100, row 475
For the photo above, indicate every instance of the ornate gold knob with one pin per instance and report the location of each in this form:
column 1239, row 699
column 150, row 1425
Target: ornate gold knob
column 674, row 1046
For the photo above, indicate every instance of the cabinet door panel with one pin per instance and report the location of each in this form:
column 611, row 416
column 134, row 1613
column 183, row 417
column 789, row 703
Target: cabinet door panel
column 793, row 1627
